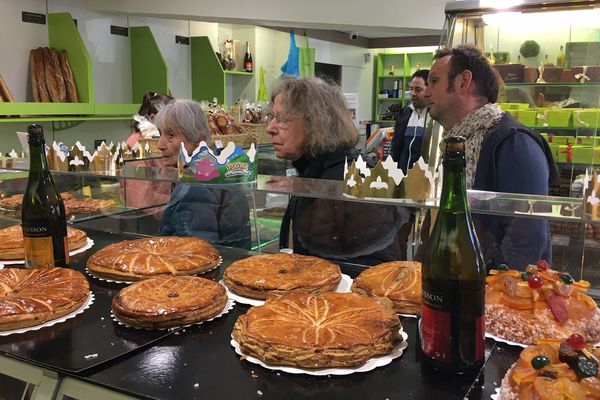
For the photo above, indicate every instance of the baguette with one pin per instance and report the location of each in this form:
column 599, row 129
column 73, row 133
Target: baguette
column 50, row 76
column 58, row 76
column 5, row 91
column 40, row 75
column 68, row 76
column 34, row 82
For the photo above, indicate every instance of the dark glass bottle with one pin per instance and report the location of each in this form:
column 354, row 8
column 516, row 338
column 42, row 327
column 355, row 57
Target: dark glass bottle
column 248, row 66
column 452, row 323
column 43, row 213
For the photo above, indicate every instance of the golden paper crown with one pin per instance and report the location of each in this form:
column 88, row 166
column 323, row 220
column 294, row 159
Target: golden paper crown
column 104, row 159
column 386, row 180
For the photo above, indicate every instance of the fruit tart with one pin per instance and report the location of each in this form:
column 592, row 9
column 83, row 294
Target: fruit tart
column 553, row 369
column 539, row 303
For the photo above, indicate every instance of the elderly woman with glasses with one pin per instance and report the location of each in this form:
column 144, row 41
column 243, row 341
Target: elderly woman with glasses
column 311, row 126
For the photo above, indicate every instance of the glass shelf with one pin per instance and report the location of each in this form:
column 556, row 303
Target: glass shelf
column 494, row 203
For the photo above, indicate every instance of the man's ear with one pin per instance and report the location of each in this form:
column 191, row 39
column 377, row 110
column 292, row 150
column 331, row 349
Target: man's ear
column 464, row 82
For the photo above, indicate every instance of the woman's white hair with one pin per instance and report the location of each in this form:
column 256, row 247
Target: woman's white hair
column 188, row 116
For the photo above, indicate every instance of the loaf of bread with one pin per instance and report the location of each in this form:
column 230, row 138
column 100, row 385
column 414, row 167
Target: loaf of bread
column 5, row 93
column 34, row 83
column 52, row 83
column 68, row 77
column 58, row 76
column 40, row 76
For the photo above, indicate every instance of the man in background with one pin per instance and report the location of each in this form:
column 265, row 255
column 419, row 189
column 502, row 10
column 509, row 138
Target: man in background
column 412, row 130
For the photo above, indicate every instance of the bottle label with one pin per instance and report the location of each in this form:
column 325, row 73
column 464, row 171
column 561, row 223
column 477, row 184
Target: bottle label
column 45, row 247
column 441, row 324
column 248, row 66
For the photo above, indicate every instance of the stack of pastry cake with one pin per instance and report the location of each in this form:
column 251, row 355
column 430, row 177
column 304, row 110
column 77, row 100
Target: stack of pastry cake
column 318, row 330
column 133, row 260
column 303, row 323
column 11, row 240
column 31, row 297
column 72, row 205
column 268, row 275
column 397, row 283
column 167, row 295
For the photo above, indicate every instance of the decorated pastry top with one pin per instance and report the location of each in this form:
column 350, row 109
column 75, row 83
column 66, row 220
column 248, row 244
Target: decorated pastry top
column 554, row 369
column 537, row 286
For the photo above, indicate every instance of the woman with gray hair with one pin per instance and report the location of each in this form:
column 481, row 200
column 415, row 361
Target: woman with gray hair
column 220, row 216
column 311, row 126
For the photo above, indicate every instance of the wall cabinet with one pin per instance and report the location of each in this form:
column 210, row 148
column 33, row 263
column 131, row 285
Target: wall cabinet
column 210, row 80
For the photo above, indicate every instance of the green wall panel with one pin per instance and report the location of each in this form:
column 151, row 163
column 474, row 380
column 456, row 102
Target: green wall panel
column 148, row 68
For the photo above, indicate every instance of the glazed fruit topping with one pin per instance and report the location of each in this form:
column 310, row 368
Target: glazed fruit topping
column 567, row 279
column 502, row 267
column 576, row 341
column 540, row 361
column 535, row 282
column 543, row 265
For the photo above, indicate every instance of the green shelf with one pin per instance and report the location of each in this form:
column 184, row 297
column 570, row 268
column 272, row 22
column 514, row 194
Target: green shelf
column 390, row 99
column 116, row 109
column 391, row 76
column 149, row 71
column 239, row 73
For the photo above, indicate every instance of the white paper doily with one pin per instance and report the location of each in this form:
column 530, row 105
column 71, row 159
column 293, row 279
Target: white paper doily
column 408, row 315
column 369, row 365
column 89, row 243
column 102, row 278
column 72, row 314
column 228, row 306
column 343, row 287
column 496, row 395
column 510, row 342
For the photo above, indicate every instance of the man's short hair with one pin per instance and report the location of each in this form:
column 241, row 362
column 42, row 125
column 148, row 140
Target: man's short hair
column 468, row 57
column 422, row 73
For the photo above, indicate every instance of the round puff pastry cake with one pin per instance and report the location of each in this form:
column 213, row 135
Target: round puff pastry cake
column 150, row 257
column 12, row 241
column 554, row 370
column 72, row 205
column 318, row 330
column 395, row 282
column 31, row 297
column 263, row 276
column 169, row 301
column 540, row 303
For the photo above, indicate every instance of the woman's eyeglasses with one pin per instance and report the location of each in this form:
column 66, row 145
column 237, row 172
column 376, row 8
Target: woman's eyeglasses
column 281, row 119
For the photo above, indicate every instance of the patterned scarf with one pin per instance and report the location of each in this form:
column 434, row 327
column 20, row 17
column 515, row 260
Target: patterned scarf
column 474, row 127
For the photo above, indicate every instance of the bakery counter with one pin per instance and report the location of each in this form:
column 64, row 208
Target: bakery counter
column 200, row 363
column 88, row 340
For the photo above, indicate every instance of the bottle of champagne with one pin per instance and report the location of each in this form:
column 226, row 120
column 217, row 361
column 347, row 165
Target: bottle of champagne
column 43, row 211
column 452, row 325
column 248, row 59
column 560, row 58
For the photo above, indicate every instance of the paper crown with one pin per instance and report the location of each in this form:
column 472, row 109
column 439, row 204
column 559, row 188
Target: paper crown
column 386, row 180
column 104, row 159
column 231, row 164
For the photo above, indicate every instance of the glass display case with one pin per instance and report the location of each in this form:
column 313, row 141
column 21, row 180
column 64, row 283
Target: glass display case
column 548, row 56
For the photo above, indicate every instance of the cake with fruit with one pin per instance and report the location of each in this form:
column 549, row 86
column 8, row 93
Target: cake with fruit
column 539, row 303
column 553, row 369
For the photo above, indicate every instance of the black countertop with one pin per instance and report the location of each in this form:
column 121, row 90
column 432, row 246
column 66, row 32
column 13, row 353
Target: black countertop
column 199, row 362
column 89, row 339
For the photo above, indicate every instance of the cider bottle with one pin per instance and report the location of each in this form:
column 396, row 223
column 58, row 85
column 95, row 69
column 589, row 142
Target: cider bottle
column 452, row 325
column 43, row 214
column 248, row 65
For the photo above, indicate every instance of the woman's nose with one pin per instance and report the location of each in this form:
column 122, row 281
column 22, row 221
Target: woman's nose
column 272, row 127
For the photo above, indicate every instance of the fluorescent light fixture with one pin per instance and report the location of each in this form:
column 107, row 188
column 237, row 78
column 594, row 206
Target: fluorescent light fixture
column 501, row 19
column 499, row 4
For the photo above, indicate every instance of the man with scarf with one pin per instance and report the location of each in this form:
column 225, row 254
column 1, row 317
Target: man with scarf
column 502, row 154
